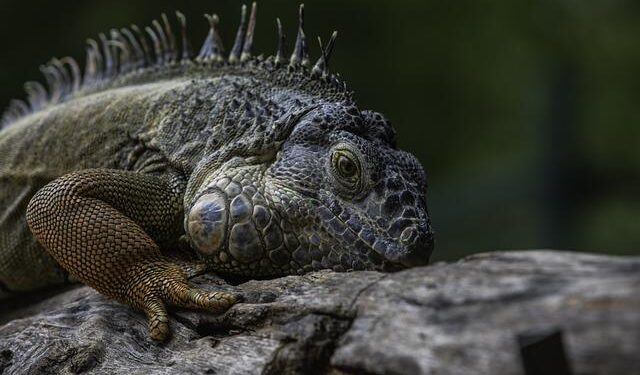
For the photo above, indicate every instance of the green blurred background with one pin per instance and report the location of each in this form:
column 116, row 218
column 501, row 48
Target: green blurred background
column 525, row 114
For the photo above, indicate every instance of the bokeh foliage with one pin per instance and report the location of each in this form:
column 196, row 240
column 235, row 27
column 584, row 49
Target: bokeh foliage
column 524, row 113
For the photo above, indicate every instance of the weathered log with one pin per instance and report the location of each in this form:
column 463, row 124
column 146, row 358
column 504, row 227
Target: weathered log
column 476, row 316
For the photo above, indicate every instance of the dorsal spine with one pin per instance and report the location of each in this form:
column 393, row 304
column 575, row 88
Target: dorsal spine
column 128, row 50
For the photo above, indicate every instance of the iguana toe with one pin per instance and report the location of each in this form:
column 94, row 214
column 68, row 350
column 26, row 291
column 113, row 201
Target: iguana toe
column 166, row 284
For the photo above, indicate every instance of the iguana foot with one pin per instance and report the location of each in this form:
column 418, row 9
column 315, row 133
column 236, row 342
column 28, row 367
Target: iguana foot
column 102, row 225
column 158, row 284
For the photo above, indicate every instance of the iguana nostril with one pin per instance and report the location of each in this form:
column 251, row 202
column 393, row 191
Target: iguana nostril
column 409, row 235
column 419, row 246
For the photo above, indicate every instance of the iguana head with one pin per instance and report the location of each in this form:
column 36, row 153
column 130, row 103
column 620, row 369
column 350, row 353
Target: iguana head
column 337, row 194
column 341, row 181
column 303, row 179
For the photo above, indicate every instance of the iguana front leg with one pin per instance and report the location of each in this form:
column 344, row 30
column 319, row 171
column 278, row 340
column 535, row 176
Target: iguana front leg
column 104, row 226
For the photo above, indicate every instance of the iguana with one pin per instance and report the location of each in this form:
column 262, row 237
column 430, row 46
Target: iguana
column 155, row 164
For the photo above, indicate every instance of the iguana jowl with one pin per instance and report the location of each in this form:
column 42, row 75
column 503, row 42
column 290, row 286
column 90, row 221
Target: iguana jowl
column 153, row 165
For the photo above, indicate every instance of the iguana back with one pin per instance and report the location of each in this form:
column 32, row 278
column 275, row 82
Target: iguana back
column 77, row 134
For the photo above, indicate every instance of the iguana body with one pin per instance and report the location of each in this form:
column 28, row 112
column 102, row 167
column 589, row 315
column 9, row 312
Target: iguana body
column 151, row 169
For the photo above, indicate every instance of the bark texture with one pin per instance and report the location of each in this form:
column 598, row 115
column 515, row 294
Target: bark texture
column 481, row 315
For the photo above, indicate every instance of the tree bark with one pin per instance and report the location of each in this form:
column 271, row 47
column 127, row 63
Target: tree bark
column 492, row 313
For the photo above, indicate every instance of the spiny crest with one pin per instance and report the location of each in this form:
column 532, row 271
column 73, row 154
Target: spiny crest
column 135, row 50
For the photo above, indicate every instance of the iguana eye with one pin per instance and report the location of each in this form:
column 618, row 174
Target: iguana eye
column 346, row 168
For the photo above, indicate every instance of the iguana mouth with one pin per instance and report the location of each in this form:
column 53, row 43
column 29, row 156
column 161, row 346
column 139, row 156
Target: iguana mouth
column 380, row 254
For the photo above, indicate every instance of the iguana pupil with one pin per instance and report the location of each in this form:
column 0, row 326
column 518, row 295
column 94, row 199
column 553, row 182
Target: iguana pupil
column 346, row 166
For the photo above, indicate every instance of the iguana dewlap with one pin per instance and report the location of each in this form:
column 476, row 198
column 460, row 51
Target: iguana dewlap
column 153, row 165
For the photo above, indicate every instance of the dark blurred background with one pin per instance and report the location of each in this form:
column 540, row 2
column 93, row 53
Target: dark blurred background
column 525, row 114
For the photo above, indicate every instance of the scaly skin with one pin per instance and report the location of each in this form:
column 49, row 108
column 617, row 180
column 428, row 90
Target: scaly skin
column 106, row 226
column 150, row 171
